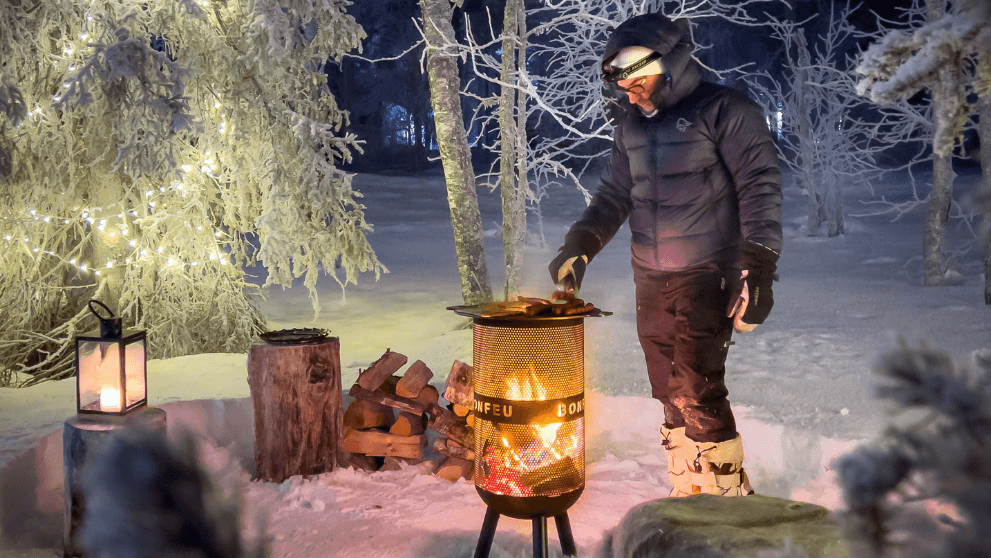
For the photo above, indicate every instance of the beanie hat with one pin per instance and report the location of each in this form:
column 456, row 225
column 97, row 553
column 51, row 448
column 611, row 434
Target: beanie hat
column 632, row 62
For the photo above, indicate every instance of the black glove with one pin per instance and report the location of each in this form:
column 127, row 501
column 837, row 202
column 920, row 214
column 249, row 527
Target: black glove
column 761, row 265
column 581, row 246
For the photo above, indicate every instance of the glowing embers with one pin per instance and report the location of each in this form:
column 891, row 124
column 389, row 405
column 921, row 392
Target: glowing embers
column 525, row 460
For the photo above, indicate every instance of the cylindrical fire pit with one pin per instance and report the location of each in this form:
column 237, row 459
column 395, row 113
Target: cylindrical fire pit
column 529, row 390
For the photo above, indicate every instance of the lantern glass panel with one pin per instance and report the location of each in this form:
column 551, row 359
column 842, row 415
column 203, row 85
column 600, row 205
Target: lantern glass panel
column 100, row 385
column 135, row 371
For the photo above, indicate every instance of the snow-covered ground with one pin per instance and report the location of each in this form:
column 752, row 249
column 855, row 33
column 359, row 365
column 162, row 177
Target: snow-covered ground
column 800, row 384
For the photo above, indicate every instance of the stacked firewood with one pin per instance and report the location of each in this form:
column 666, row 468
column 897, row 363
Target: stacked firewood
column 386, row 423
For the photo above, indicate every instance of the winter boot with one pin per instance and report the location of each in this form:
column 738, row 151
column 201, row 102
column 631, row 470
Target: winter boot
column 717, row 468
column 681, row 455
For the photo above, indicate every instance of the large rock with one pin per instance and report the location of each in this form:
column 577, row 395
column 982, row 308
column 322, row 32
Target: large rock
column 706, row 526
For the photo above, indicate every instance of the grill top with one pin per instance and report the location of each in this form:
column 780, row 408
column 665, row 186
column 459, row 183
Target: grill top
column 476, row 312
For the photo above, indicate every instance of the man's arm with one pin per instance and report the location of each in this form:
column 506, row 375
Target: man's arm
column 608, row 209
column 747, row 148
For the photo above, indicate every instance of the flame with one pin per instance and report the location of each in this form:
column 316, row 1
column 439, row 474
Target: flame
column 109, row 399
column 526, row 387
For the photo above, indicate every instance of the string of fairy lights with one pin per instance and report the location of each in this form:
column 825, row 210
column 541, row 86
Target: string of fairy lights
column 208, row 165
column 113, row 235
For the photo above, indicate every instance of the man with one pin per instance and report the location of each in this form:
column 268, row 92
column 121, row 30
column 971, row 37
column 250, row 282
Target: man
column 694, row 169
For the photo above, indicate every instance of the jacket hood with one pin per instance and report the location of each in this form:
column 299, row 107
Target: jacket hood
column 673, row 40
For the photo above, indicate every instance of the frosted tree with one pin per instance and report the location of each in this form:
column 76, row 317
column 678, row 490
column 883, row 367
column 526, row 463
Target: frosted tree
column 950, row 55
column 831, row 135
column 150, row 152
column 445, row 82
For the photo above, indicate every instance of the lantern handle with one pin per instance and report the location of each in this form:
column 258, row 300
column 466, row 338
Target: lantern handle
column 109, row 327
column 104, row 306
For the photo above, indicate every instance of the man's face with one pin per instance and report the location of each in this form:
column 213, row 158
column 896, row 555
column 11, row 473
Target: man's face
column 640, row 89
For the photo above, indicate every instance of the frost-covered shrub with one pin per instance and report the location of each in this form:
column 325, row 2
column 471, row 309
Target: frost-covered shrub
column 150, row 152
column 924, row 488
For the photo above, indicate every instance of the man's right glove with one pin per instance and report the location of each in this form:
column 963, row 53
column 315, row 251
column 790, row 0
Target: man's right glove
column 568, row 267
column 753, row 300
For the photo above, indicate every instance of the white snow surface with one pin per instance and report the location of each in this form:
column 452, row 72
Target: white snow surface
column 800, row 384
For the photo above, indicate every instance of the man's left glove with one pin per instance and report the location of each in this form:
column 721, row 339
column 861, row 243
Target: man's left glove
column 752, row 297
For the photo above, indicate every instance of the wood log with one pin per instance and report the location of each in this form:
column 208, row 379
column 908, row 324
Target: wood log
column 458, row 387
column 470, row 420
column 428, row 395
column 450, row 448
column 409, row 424
column 362, row 413
column 460, row 410
column 373, row 376
column 445, row 423
column 297, row 399
column 454, row 468
column 395, row 401
column 414, row 380
column 373, row 442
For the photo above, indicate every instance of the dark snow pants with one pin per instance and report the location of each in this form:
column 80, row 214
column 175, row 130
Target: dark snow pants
column 685, row 334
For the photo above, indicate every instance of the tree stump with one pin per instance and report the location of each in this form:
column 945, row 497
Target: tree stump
column 297, row 397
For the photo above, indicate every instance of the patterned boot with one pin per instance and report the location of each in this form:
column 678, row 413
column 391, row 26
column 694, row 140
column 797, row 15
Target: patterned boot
column 717, row 468
column 681, row 454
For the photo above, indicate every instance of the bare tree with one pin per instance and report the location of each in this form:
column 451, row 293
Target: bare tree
column 831, row 136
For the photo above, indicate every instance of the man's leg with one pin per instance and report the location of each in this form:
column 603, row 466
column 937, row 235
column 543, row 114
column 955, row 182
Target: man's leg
column 655, row 328
column 713, row 449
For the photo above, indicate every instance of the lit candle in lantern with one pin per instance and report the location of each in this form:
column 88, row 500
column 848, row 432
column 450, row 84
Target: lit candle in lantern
column 110, row 399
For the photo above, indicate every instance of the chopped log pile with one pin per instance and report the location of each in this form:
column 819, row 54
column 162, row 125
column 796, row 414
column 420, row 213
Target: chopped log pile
column 386, row 423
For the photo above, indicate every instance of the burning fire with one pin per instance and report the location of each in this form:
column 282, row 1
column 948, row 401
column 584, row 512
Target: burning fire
column 532, row 458
column 528, row 389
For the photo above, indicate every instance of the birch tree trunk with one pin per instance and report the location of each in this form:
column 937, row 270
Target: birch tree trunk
column 984, row 132
column 945, row 88
column 511, row 183
column 466, row 219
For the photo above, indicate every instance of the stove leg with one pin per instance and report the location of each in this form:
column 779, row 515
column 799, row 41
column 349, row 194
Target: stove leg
column 540, row 549
column 487, row 534
column 564, row 533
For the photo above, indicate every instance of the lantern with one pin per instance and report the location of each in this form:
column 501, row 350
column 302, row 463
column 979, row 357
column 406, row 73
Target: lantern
column 111, row 367
column 529, row 391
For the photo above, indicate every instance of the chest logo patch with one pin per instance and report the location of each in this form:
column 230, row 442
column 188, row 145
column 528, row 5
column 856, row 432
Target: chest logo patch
column 682, row 124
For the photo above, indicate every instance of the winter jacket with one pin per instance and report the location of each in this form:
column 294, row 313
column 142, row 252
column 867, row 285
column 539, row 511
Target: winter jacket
column 696, row 179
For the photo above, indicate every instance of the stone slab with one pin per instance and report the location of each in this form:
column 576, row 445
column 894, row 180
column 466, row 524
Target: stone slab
column 705, row 526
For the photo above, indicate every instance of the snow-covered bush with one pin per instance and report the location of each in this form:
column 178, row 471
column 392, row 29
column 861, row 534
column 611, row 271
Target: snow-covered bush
column 924, row 488
column 149, row 152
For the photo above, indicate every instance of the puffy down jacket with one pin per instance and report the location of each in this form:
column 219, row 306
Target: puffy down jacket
column 694, row 180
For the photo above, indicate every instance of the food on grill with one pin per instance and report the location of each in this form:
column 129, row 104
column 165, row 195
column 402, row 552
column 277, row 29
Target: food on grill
column 567, row 305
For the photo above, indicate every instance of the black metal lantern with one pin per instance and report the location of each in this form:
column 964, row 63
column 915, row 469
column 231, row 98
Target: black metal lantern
column 111, row 367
